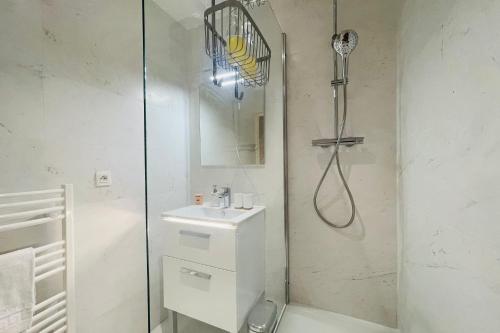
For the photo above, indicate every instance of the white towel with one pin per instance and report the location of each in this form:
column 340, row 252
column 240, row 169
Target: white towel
column 17, row 290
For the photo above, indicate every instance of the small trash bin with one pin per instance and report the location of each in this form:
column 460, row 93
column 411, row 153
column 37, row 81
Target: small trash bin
column 262, row 317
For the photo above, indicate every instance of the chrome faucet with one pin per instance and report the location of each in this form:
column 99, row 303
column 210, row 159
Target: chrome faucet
column 223, row 194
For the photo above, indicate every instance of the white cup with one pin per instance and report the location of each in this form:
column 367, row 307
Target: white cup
column 248, row 200
column 238, row 200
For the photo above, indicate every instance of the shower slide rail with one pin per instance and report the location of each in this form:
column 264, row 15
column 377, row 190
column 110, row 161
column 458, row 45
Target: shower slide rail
column 24, row 210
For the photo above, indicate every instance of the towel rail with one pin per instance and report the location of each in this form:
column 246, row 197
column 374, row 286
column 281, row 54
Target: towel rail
column 48, row 274
column 31, row 203
column 21, row 194
column 62, row 329
column 30, row 223
column 54, row 326
column 50, row 264
column 23, row 210
column 49, row 255
column 43, row 324
column 48, row 301
column 34, row 212
column 49, row 246
column 43, row 314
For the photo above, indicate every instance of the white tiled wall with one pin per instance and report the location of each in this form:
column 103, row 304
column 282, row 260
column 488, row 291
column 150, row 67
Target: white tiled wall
column 350, row 271
column 71, row 104
column 449, row 125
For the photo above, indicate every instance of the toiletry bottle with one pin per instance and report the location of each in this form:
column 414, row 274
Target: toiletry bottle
column 198, row 199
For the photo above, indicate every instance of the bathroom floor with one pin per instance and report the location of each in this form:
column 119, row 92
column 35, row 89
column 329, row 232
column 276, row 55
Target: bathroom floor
column 188, row 325
column 299, row 319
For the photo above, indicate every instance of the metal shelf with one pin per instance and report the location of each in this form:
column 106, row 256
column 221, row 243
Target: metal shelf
column 236, row 45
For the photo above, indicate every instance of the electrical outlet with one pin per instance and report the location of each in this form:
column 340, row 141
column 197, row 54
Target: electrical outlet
column 103, row 178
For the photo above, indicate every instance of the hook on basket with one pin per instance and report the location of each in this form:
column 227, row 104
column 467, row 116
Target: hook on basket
column 237, row 94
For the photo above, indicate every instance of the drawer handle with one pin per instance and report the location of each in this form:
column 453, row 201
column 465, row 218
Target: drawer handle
column 191, row 272
column 194, row 234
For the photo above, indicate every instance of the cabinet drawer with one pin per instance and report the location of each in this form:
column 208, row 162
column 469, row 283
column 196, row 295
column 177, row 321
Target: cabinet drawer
column 202, row 292
column 202, row 243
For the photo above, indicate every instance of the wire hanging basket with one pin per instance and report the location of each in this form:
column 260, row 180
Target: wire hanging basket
column 238, row 50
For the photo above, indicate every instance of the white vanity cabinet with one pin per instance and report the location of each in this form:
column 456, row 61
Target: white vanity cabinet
column 214, row 268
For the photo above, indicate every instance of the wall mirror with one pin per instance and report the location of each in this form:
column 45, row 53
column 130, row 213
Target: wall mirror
column 231, row 131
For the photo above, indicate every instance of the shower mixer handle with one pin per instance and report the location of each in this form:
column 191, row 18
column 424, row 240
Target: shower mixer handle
column 349, row 142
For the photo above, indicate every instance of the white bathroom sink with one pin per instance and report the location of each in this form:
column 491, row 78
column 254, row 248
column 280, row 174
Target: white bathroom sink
column 213, row 214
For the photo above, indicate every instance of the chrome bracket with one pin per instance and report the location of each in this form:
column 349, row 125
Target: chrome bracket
column 340, row 82
column 349, row 142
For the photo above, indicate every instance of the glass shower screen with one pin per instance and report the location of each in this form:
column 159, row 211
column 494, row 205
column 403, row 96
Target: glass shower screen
column 210, row 265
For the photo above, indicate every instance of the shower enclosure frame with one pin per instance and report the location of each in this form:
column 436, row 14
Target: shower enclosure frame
column 285, row 180
column 285, row 166
column 144, row 110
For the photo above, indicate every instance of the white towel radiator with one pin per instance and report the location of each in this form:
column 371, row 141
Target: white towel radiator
column 29, row 209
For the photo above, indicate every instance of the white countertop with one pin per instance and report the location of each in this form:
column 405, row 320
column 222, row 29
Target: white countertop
column 230, row 216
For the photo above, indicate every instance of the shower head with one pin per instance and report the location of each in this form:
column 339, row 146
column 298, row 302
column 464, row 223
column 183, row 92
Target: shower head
column 344, row 43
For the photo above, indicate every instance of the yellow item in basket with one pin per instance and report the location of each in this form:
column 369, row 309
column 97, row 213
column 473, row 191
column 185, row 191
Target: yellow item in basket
column 237, row 47
column 238, row 54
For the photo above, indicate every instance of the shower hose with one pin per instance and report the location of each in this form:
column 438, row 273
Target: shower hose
column 335, row 157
